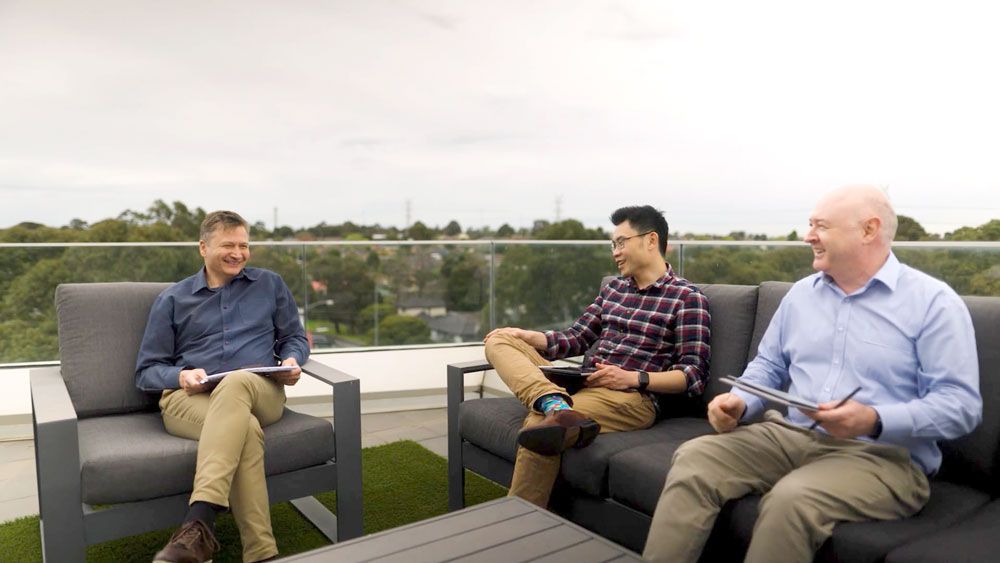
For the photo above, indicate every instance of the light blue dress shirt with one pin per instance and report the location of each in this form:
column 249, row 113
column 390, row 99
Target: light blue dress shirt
column 905, row 338
column 250, row 321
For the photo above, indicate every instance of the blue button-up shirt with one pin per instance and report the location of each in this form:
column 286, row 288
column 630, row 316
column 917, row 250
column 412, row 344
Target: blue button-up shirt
column 250, row 321
column 905, row 338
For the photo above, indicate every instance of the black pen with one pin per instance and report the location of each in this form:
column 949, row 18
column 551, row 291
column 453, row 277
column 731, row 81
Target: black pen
column 840, row 404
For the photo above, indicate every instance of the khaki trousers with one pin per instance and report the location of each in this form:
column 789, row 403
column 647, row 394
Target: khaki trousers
column 810, row 481
column 228, row 425
column 616, row 411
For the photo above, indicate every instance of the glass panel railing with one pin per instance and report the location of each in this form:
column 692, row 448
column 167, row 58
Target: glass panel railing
column 360, row 294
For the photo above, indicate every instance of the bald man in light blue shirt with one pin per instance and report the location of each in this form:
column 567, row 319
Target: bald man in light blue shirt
column 864, row 321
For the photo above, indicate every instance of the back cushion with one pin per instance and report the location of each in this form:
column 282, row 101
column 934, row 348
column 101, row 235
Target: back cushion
column 733, row 309
column 974, row 459
column 769, row 296
column 100, row 330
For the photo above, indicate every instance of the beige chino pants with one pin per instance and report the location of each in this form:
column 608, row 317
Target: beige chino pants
column 810, row 482
column 228, row 425
column 517, row 363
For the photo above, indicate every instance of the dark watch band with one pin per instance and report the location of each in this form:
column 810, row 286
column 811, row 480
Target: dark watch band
column 643, row 380
column 878, row 427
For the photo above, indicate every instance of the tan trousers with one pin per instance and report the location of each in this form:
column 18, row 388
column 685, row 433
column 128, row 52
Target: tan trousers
column 810, row 481
column 616, row 411
column 228, row 426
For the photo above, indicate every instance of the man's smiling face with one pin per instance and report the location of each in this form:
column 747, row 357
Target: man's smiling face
column 226, row 253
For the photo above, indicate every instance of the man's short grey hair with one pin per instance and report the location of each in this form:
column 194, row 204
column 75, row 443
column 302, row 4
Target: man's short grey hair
column 224, row 219
column 887, row 215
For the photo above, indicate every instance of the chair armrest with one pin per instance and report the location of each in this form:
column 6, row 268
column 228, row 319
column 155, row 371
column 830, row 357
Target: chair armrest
column 347, row 442
column 57, row 453
column 456, row 394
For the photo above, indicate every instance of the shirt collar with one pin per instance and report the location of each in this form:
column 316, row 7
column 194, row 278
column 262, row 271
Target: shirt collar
column 888, row 274
column 201, row 282
column 661, row 281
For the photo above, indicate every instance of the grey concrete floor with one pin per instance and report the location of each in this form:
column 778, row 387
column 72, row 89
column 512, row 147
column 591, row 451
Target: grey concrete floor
column 19, row 492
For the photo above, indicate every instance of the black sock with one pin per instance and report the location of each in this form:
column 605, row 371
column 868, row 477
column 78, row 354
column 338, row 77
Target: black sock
column 204, row 511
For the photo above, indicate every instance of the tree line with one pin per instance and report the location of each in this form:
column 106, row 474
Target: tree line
column 535, row 286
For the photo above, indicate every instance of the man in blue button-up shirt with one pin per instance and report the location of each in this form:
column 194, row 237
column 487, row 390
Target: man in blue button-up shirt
column 900, row 341
column 223, row 318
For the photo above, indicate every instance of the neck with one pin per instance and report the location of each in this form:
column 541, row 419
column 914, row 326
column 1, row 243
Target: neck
column 216, row 281
column 646, row 276
column 860, row 276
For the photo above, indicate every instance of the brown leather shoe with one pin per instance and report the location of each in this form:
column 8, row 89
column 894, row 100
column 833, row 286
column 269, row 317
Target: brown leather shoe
column 558, row 431
column 193, row 542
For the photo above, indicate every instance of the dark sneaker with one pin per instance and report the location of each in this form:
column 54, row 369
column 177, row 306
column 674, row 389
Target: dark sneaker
column 558, row 431
column 193, row 542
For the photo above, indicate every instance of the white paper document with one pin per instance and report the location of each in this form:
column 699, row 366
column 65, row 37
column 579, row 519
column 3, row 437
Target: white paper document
column 769, row 394
column 215, row 377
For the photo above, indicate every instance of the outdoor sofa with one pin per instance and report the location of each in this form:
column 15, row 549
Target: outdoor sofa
column 613, row 485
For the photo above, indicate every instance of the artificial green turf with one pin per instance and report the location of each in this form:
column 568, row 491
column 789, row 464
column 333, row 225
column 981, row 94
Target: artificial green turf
column 403, row 482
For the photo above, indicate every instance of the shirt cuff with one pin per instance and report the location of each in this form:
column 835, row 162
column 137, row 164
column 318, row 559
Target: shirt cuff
column 755, row 405
column 897, row 423
column 551, row 345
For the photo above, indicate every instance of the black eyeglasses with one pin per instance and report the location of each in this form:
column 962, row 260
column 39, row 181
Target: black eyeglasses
column 619, row 243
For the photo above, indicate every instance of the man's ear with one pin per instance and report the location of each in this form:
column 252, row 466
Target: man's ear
column 871, row 229
column 654, row 242
column 202, row 247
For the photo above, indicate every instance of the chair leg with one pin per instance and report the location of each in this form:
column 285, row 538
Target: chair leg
column 315, row 512
column 347, row 436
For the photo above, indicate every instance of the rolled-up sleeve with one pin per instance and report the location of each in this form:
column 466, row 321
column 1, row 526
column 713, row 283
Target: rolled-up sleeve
column 692, row 340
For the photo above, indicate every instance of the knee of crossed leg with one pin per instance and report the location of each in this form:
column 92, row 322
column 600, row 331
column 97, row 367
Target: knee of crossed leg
column 238, row 379
column 497, row 341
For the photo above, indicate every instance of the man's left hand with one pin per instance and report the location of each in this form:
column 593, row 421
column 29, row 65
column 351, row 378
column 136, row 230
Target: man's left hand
column 612, row 377
column 851, row 420
column 288, row 377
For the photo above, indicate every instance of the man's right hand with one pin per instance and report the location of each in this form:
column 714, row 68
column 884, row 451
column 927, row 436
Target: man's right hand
column 190, row 380
column 725, row 411
column 533, row 337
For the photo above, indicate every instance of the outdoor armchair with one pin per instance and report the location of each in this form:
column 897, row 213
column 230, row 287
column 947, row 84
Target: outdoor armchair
column 108, row 469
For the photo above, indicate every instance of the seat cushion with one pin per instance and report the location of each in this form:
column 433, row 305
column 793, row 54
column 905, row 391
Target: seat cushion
column 100, row 330
column 131, row 457
column 973, row 539
column 636, row 475
column 865, row 541
column 492, row 424
column 733, row 309
column 769, row 296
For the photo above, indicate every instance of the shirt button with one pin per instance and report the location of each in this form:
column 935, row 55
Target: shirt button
column 835, row 362
column 840, row 329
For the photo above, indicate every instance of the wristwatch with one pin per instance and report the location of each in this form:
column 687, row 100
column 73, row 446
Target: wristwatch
column 878, row 427
column 643, row 380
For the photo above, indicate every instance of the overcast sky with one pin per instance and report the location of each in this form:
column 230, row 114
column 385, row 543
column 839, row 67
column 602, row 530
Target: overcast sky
column 728, row 115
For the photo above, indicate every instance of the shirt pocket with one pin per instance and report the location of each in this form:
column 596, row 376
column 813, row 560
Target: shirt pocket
column 256, row 312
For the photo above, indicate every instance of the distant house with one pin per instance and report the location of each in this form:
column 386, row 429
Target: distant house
column 455, row 326
column 415, row 305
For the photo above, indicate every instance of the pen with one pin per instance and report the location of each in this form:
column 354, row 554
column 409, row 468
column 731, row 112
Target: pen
column 840, row 404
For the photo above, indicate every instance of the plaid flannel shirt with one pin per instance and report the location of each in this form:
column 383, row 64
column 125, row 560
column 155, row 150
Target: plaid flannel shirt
column 663, row 327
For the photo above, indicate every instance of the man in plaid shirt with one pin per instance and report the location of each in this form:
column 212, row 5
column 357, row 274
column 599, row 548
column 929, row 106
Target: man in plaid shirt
column 651, row 330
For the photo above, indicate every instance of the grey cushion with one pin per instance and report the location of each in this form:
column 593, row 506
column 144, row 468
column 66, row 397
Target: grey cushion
column 100, row 330
column 863, row 541
column 974, row 459
column 769, row 296
column 131, row 457
column 974, row 539
column 587, row 468
column 636, row 475
column 492, row 424
column 733, row 309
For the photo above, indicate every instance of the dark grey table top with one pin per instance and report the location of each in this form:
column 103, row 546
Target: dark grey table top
column 503, row 530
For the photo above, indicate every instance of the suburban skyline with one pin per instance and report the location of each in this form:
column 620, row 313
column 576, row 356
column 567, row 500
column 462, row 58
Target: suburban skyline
column 728, row 116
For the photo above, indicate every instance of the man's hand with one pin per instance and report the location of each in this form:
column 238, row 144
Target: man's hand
column 725, row 411
column 850, row 420
column 288, row 377
column 534, row 338
column 190, row 381
column 612, row 377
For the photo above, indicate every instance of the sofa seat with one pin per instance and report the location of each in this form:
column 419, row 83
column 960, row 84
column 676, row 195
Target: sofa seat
column 862, row 541
column 636, row 475
column 974, row 539
column 129, row 457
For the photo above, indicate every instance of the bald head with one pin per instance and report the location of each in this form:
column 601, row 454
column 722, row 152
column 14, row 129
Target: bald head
column 860, row 203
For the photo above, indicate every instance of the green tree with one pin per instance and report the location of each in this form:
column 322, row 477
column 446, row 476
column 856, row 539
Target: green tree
column 419, row 231
column 909, row 229
column 402, row 329
column 505, row 231
column 466, row 280
column 453, row 229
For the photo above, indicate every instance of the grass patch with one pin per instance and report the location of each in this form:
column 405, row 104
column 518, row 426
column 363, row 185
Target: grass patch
column 403, row 482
